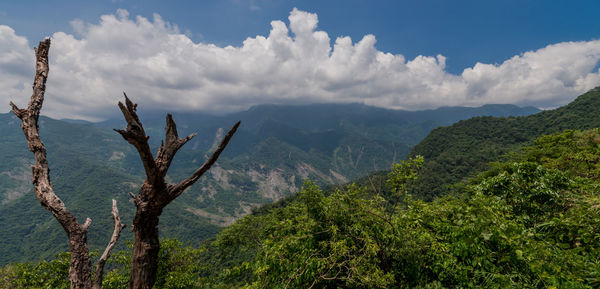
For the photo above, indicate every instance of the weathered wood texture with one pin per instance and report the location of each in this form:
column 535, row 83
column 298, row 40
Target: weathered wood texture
column 118, row 227
column 80, row 266
column 155, row 194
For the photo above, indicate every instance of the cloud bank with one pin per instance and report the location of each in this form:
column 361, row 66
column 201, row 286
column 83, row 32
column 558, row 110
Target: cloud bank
column 161, row 68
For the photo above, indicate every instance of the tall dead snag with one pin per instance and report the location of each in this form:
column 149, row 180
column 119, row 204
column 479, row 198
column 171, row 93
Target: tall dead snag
column 155, row 193
column 80, row 272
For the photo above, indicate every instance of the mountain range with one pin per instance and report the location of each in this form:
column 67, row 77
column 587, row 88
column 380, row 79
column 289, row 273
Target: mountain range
column 276, row 149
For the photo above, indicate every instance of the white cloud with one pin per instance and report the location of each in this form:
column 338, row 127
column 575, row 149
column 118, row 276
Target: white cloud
column 16, row 66
column 160, row 68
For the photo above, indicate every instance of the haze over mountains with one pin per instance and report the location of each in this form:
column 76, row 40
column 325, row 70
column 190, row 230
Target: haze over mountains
column 276, row 149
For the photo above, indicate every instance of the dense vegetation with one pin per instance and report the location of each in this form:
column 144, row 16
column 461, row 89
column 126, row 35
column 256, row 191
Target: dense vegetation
column 530, row 221
column 459, row 151
column 276, row 148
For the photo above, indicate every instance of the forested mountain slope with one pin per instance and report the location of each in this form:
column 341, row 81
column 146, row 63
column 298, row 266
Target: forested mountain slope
column 530, row 222
column 275, row 150
column 457, row 152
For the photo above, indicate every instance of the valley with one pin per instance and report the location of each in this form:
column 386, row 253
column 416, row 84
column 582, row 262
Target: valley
column 277, row 149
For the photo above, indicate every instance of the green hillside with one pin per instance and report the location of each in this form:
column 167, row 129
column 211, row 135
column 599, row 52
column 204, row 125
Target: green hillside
column 275, row 150
column 530, row 222
column 457, row 152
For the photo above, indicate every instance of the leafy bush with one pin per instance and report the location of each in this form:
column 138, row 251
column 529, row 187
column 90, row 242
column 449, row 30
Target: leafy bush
column 531, row 222
column 46, row 274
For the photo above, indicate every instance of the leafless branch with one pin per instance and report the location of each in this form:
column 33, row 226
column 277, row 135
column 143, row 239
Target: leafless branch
column 136, row 135
column 118, row 227
column 176, row 190
column 80, row 266
column 170, row 146
column 29, row 117
column 155, row 194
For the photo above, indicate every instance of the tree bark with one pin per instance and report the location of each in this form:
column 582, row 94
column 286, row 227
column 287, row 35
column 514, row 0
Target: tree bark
column 146, row 245
column 80, row 270
column 118, row 227
column 155, row 194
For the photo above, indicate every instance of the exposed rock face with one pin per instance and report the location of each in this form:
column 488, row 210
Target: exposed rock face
column 20, row 185
column 116, row 156
column 222, row 221
column 271, row 184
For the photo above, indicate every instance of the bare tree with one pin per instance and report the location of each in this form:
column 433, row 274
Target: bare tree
column 80, row 271
column 153, row 196
column 155, row 193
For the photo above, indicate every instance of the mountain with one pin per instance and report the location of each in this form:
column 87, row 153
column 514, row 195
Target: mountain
column 274, row 151
column 371, row 121
column 538, row 211
column 455, row 153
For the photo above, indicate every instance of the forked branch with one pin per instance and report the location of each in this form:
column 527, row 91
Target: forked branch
column 156, row 169
column 136, row 135
column 154, row 194
column 176, row 190
column 169, row 146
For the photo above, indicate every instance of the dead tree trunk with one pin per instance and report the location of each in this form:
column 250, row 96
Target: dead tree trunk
column 80, row 272
column 155, row 193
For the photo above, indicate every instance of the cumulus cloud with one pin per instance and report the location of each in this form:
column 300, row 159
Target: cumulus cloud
column 296, row 63
column 16, row 65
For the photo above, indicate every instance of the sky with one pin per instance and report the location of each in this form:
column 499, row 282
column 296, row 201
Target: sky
column 226, row 56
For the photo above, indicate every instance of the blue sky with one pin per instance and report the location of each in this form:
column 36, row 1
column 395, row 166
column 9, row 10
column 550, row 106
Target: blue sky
column 463, row 33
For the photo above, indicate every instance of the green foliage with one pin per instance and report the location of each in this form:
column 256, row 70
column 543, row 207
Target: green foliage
column 91, row 165
column 326, row 242
column 572, row 151
column 532, row 221
column 178, row 267
column 530, row 189
column 458, row 152
column 401, row 176
column 527, row 223
column 46, row 275
column 404, row 172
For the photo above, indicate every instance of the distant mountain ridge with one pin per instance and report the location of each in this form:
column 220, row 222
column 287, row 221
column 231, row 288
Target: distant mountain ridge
column 455, row 152
column 274, row 151
column 373, row 122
